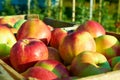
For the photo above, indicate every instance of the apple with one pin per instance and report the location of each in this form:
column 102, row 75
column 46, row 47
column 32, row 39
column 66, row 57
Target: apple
column 34, row 28
column 50, row 27
column 54, row 54
column 113, row 61
column 57, row 36
column 7, row 40
column 74, row 43
column 26, row 52
column 55, row 66
column 107, row 45
column 18, row 24
column 89, row 63
column 117, row 66
column 39, row 73
column 8, row 20
column 14, row 30
column 93, row 27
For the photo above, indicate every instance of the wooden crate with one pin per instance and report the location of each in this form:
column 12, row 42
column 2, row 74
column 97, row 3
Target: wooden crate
column 113, row 75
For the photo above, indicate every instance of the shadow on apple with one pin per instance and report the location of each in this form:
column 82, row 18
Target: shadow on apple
column 88, row 69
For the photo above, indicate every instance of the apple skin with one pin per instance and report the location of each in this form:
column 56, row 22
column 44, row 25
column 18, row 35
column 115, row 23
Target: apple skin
column 26, row 52
column 54, row 54
column 57, row 36
column 50, row 27
column 55, row 66
column 7, row 40
column 108, row 45
column 89, row 63
column 39, row 73
column 18, row 24
column 117, row 66
column 14, row 30
column 74, row 43
column 8, row 20
column 93, row 27
column 34, row 28
column 113, row 61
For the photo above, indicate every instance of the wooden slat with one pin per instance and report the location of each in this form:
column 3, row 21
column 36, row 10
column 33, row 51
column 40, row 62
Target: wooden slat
column 113, row 75
column 11, row 71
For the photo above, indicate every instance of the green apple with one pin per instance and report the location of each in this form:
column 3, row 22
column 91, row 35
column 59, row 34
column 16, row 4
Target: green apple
column 7, row 40
column 107, row 45
column 89, row 63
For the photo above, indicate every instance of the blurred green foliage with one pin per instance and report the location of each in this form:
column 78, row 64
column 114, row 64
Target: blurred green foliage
column 82, row 12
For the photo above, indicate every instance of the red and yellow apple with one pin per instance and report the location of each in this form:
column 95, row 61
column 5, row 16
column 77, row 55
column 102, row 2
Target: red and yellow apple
column 34, row 28
column 54, row 66
column 8, row 20
column 93, row 27
column 39, row 73
column 26, row 52
column 57, row 36
column 7, row 40
column 74, row 43
column 89, row 63
column 108, row 45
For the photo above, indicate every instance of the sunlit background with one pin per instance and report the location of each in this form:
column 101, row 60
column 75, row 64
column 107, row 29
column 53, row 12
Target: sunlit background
column 107, row 12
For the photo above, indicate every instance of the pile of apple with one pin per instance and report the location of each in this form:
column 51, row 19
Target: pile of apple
column 37, row 50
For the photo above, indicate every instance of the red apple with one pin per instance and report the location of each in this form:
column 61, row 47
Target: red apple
column 89, row 63
column 93, row 27
column 55, row 66
column 7, row 60
column 57, row 36
column 26, row 52
column 74, row 43
column 7, row 40
column 34, row 28
column 39, row 73
column 54, row 54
